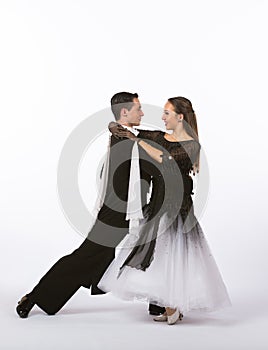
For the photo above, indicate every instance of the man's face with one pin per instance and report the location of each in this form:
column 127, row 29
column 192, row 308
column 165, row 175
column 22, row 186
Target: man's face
column 133, row 116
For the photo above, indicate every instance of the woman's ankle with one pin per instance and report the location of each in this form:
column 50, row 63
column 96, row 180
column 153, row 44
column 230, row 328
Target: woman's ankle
column 170, row 311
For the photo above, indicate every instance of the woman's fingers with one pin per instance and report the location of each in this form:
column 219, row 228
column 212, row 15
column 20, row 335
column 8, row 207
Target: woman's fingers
column 119, row 131
column 112, row 124
column 122, row 133
column 120, row 128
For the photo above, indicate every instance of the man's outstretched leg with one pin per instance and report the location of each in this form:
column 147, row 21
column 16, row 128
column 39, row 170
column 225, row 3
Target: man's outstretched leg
column 66, row 276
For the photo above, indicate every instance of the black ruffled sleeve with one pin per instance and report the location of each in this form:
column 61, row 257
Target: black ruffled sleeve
column 150, row 135
column 185, row 154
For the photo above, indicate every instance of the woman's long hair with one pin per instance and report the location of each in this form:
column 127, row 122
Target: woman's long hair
column 184, row 106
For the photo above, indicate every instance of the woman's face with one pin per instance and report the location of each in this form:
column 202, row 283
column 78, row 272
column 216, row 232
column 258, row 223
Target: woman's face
column 170, row 117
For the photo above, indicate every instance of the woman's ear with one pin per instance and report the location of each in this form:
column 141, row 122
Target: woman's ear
column 180, row 117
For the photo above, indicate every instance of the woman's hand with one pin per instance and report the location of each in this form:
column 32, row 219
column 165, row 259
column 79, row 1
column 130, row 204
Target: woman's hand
column 125, row 133
column 119, row 131
column 114, row 129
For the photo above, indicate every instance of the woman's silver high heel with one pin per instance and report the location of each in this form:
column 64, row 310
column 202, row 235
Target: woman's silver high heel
column 172, row 319
column 161, row 318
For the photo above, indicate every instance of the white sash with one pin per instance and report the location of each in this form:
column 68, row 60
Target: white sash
column 134, row 205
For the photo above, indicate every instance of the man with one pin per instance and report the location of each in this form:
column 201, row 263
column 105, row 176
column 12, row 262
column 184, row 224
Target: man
column 86, row 265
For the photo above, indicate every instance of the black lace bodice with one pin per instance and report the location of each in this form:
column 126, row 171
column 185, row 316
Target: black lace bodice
column 185, row 153
column 173, row 188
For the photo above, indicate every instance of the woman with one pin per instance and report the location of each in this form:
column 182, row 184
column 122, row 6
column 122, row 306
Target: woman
column 171, row 263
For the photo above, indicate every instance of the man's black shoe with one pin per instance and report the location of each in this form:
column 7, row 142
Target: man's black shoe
column 25, row 305
column 155, row 313
column 156, row 310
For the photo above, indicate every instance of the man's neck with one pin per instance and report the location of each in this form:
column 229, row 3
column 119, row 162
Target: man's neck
column 126, row 124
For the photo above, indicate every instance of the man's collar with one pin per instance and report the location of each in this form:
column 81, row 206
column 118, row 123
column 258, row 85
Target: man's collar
column 134, row 131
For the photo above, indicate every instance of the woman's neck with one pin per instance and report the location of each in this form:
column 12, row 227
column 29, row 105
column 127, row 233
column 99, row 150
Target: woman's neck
column 179, row 133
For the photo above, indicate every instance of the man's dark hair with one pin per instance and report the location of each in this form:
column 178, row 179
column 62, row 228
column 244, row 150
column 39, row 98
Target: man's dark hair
column 122, row 100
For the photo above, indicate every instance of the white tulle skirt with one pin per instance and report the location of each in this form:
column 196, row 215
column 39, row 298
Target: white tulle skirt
column 183, row 273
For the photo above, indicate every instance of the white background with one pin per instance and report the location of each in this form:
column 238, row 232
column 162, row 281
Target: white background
column 60, row 62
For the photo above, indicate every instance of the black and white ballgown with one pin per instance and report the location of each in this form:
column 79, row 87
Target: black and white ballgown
column 167, row 260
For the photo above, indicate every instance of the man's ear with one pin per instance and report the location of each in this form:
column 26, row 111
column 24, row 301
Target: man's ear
column 124, row 112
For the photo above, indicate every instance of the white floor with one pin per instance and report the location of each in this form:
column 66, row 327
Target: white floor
column 104, row 322
column 32, row 243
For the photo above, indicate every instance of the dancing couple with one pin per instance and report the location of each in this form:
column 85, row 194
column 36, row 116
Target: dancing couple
column 164, row 257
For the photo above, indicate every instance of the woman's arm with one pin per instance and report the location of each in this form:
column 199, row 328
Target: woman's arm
column 120, row 132
column 153, row 152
